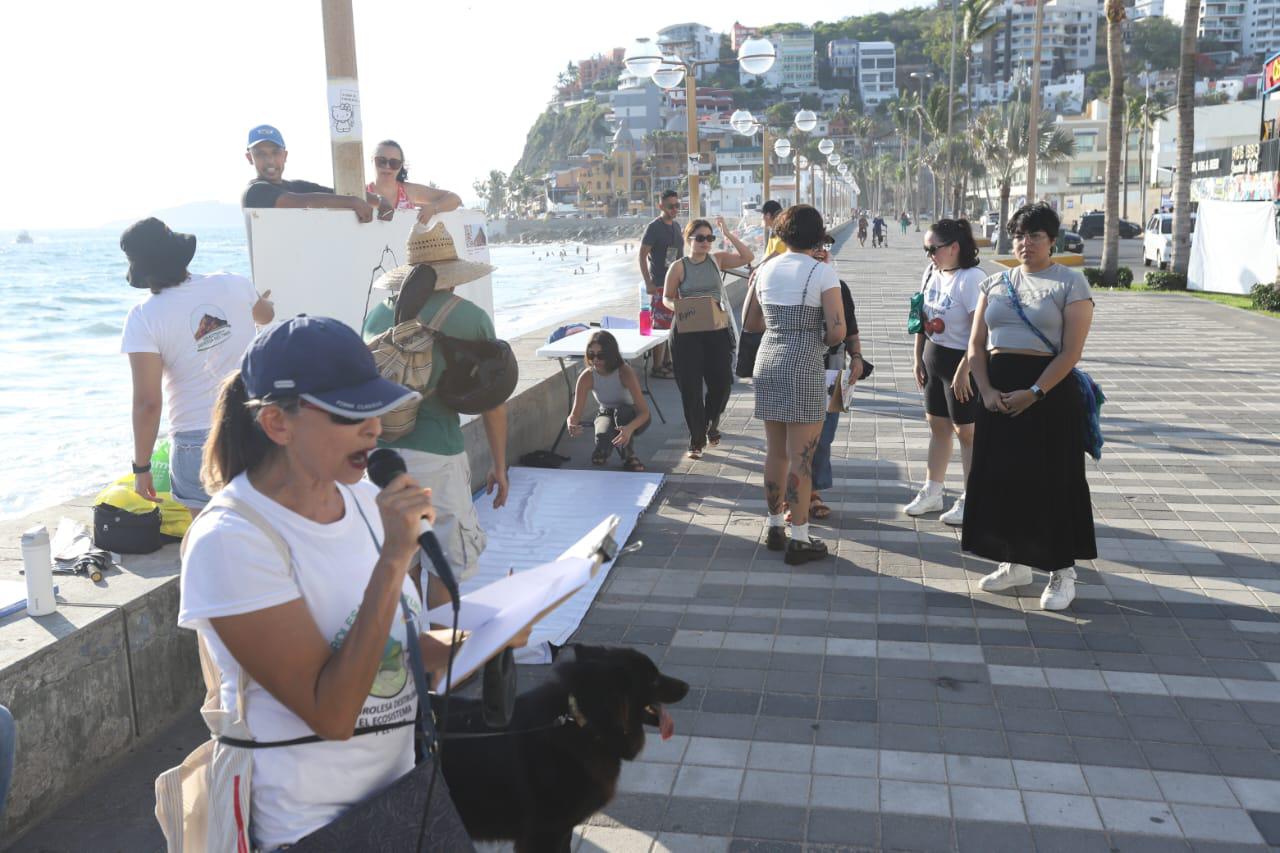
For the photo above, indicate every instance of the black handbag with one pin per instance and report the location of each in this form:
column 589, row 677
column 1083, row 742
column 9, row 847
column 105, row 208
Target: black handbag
column 748, row 346
column 125, row 532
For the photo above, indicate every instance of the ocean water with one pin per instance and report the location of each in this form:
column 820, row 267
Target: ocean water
column 65, row 389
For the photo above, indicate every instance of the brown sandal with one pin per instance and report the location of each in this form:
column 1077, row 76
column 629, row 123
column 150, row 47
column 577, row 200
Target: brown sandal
column 633, row 464
column 818, row 509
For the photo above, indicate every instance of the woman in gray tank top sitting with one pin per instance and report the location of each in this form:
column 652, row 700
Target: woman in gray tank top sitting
column 623, row 412
column 703, row 347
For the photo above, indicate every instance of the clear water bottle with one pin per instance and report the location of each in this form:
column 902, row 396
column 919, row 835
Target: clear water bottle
column 646, row 313
column 160, row 467
column 37, row 565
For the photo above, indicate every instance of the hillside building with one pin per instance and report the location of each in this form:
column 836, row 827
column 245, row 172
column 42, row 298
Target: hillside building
column 1070, row 40
column 842, row 57
column 877, row 71
column 692, row 43
column 1250, row 26
column 795, row 64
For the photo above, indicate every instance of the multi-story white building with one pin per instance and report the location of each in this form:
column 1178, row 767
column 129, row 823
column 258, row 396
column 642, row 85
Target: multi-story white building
column 1070, row 37
column 692, row 43
column 842, row 56
column 1262, row 27
column 1147, row 9
column 1065, row 96
column 877, row 70
column 795, row 64
column 1251, row 26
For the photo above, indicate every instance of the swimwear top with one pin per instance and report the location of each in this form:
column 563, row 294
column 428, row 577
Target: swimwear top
column 402, row 197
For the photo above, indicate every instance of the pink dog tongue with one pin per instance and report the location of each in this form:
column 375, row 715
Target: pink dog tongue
column 666, row 725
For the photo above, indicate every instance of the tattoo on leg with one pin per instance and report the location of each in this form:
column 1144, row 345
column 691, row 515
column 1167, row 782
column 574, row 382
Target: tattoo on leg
column 806, row 457
column 793, row 489
column 773, row 496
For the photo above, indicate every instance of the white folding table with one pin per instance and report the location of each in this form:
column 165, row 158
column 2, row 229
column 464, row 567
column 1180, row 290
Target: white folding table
column 631, row 344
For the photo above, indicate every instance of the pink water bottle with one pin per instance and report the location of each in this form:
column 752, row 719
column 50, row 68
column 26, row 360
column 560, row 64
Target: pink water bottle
column 646, row 314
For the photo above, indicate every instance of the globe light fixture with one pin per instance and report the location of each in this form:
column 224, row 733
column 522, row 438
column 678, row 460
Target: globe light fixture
column 806, row 120
column 669, row 73
column 843, row 168
column 833, row 159
column 782, row 147
column 743, row 122
column 826, row 146
column 802, row 162
column 756, row 55
column 642, row 58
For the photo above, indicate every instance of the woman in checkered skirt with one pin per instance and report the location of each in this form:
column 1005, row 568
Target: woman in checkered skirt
column 795, row 301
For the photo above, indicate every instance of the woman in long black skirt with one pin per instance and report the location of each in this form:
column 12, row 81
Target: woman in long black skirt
column 1027, row 499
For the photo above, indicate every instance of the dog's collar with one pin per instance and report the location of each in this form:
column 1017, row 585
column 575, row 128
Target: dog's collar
column 575, row 713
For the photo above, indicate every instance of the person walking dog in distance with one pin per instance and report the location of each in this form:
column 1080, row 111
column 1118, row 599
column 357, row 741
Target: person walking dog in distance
column 1027, row 500
column 952, row 288
column 795, row 301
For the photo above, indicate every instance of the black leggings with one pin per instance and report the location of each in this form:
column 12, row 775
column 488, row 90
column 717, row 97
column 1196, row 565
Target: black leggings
column 703, row 358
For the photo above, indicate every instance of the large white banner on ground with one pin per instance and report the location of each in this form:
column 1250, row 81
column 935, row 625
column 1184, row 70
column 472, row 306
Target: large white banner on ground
column 1233, row 247
column 323, row 262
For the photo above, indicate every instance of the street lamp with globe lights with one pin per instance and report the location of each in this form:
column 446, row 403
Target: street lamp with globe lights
column 645, row 59
column 826, row 146
column 806, row 121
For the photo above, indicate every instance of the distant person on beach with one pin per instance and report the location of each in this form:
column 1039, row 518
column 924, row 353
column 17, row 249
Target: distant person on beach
column 392, row 184
column 622, row 411
column 1027, row 503
column 795, row 301
column 703, row 356
column 182, row 341
column 951, row 287
column 660, row 247
column 435, row 450
column 267, row 153
column 769, row 213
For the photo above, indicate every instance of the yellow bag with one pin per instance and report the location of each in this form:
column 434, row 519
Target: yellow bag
column 175, row 518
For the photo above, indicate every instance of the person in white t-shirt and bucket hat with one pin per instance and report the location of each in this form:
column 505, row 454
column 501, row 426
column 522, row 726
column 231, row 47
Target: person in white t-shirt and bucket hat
column 184, row 338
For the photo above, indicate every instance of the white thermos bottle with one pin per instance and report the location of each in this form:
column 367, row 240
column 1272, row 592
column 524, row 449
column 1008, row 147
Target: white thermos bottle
column 37, row 562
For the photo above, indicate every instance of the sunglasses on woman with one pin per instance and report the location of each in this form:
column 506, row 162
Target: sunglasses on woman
column 337, row 419
column 595, row 355
column 387, row 162
column 929, row 250
column 704, row 238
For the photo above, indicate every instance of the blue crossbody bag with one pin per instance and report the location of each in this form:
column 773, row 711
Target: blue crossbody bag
column 1090, row 391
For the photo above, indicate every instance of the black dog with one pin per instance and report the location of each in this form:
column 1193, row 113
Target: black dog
column 560, row 761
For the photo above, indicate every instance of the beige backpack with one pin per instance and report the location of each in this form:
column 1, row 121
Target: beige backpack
column 405, row 352
column 203, row 804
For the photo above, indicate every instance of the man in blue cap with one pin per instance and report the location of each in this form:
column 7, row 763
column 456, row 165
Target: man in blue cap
column 266, row 151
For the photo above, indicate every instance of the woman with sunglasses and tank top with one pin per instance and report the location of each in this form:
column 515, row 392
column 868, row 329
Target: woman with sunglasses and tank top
column 1028, row 504
column 703, row 358
column 392, row 184
column 623, row 412
column 941, row 367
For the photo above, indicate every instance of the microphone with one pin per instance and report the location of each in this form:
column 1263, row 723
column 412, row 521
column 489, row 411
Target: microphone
column 384, row 466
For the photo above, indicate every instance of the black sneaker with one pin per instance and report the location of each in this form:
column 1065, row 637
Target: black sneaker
column 804, row 552
column 776, row 538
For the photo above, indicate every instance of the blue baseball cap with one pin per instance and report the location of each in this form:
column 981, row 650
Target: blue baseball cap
column 324, row 362
column 264, row 133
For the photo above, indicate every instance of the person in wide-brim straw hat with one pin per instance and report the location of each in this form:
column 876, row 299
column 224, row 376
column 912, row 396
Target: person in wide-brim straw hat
column 434, row 246
column 434, row 450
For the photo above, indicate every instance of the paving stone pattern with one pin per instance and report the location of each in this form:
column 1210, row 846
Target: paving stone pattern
column 880, row 700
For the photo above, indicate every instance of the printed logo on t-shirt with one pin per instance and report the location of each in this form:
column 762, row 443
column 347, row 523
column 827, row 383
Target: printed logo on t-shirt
column 392, row 674
column 209, row 327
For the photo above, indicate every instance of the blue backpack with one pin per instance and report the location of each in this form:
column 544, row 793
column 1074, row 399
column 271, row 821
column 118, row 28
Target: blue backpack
column 1090, row 391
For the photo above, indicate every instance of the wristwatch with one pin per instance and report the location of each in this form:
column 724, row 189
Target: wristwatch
column 141, row 469
column 1038, row 391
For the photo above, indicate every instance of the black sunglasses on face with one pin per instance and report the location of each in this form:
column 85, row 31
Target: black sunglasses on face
column 387, row 162
column 704, row 238
column 337, row 419
column 929, row 250
column 595, row 355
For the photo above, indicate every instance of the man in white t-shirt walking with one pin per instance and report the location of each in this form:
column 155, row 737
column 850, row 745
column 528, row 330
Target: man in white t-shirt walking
column 185, row 337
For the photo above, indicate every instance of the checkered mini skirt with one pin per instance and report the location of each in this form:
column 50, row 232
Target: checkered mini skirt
column 789, row 376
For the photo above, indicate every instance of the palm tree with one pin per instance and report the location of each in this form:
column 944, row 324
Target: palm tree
column 1002, row 138
column 1114, row 11
column 1132, row 118
column 1186, row 139
column 979, row 22
column 1154, row 108
column 609, row 167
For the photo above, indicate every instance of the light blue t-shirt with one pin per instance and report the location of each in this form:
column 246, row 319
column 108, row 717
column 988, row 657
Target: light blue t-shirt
column 1044, row 296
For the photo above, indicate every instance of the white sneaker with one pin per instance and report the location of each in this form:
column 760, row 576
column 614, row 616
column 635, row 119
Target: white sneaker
column 1007, row 576
column 924, row 501
column 1060, row 591
column 955, row 515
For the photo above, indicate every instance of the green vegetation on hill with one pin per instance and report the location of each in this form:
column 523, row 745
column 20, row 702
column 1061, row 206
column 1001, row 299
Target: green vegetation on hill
column 557, row 134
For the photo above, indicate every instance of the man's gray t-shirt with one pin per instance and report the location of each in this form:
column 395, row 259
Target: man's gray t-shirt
column 1044, row 296
column 666, row 246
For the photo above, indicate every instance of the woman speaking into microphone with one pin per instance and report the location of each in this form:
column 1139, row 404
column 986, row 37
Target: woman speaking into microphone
column 297, row 577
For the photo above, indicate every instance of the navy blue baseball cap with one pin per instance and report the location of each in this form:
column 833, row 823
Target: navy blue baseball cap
column 264, row 133
column 324, row 362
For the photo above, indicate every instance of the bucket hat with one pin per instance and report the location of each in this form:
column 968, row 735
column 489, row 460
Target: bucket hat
column 434, row 247
column 156, row 253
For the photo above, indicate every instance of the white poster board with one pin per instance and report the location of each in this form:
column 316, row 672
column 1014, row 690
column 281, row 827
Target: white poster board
column 321, row 262
column 1233, row 247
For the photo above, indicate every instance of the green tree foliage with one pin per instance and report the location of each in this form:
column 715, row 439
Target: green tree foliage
column 1155, row 41
column 559, row 134
column 905, row 28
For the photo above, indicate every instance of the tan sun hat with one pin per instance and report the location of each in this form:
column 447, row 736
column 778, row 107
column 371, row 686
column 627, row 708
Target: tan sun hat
column 434, row 247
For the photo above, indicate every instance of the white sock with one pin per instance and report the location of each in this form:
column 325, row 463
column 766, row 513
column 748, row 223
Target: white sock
column 800, row 532
column 777, row 520
column 932, row 487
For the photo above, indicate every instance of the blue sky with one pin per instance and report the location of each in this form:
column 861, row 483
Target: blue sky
column 125, row 108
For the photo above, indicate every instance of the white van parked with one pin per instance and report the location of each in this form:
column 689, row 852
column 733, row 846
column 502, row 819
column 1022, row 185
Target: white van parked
column 1157, row 239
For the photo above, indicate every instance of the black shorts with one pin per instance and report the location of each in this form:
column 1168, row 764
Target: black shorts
column 940, row 365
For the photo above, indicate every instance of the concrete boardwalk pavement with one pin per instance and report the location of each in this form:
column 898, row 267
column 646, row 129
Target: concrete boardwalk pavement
column 878, row 699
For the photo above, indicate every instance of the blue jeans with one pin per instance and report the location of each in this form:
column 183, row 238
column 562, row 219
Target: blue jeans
column 8, row 743
column 822, row 479
column 186, row 452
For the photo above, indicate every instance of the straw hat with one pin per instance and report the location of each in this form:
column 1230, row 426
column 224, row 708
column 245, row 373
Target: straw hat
column 434, row 247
